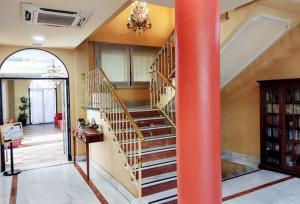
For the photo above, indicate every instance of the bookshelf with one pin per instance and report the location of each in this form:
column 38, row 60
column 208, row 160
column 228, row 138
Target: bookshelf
column 280, row 125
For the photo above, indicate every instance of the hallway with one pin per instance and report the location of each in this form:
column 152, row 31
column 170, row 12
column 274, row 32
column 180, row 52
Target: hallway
column 42, row 146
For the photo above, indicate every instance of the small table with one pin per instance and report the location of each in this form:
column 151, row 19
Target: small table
column 87, row 137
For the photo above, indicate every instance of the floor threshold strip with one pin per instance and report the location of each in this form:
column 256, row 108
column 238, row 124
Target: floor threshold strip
column 256, row 188
column 91, row 185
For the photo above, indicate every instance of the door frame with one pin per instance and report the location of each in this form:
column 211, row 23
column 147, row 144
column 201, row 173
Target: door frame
column 69, row 152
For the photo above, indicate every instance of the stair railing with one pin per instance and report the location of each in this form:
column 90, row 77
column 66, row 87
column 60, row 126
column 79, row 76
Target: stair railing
column 165, row 60
column 162, row 89
column 100, row 93
column 162, row 96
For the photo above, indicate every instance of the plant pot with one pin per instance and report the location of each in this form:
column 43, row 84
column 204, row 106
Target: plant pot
column 24, row 122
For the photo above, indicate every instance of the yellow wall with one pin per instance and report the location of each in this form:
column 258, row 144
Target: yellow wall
column 240, row 98
column 116, row 31
column 134, row 94
column 20, row 90
column 8, row 100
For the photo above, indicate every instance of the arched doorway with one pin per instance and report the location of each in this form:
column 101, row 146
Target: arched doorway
column 35, row 66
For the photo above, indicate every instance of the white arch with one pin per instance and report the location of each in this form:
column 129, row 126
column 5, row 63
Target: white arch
column 33, row 63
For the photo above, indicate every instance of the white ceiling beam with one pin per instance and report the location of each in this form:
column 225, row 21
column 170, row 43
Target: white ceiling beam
column 225, row 5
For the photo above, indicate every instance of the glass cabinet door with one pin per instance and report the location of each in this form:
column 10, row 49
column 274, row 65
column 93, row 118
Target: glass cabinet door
column 292, row 128
column 271, row 147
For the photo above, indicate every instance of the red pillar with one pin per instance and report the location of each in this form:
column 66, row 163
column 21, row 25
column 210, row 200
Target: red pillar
column 198, row 101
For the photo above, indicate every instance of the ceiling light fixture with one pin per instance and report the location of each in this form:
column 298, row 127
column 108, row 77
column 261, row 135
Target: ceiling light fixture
column 54, row 72
column 139, row 18
column 38, row 38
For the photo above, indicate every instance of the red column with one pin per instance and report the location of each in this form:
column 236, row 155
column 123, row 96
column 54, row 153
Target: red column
column 198, row 101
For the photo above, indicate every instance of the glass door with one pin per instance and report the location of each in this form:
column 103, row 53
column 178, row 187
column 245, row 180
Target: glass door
column 271, row 146
column 292, row 128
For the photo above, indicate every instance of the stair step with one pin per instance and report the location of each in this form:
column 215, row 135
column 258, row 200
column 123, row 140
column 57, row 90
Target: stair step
column 153, row 138
column 157, row 167
column 161, row 197
column 156, row 186
column 172, row 200
column 153, row 180
column 141, row 122
column 142, row 113
column 154, row 150
column 156, row 153
column 155, row 130
column 154, row 141
column 151, row 164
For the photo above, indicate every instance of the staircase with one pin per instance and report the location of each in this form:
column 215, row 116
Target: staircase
column 158, row 152
column 145, row 135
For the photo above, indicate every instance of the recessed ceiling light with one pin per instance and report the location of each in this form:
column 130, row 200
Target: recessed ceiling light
column 38, row 38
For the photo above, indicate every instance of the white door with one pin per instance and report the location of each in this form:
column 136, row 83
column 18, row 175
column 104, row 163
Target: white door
column 42, row 105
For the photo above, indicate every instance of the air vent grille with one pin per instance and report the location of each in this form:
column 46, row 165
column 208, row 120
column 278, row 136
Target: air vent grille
column 33, row 14
column 52, row 19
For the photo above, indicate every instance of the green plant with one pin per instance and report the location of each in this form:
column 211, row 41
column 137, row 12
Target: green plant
column 23, row 107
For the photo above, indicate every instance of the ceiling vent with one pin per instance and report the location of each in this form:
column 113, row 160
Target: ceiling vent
column 33, row 14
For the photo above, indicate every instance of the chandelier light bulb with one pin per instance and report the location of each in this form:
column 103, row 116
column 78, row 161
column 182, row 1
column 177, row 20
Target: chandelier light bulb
column 139, row 19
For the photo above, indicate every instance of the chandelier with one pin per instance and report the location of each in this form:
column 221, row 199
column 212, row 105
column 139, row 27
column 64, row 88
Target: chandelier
column 139, row 18
column 54, row 72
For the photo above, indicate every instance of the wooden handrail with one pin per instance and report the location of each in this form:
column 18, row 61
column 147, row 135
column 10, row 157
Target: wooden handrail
column 122, row 105
column 164, row 45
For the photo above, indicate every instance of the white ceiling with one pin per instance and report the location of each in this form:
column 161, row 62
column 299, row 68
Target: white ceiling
column 225, row 5
column 264, row 26
column 14, row 32
column 249, row 42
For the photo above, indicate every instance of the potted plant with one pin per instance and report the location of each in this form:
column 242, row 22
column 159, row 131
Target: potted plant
column 23, row 114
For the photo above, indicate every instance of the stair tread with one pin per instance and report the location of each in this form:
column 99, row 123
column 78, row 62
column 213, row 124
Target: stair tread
column 161, row 196
column 153, row 127
column 153, row 138
column 152, row 150
column 142, row 119
column 149, row 118
column 142, row 109
column 159, row 137
column 160, row 178
column 159, row 162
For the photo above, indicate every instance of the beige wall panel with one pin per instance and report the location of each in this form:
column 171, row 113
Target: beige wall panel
column 240, row 98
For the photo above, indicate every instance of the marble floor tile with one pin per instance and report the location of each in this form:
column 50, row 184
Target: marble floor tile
column 249, row 181
column 111, row 194
column 60, row 185
column 287, row 192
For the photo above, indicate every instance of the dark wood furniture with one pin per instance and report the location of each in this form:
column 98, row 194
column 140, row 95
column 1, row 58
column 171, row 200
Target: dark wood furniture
column 280, row 125
column 86, row 137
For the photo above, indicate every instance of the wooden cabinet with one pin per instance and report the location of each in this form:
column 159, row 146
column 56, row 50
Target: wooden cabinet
column 280, row 125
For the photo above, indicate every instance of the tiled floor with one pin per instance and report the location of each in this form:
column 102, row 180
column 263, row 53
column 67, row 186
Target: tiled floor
column 42, row 144
column 287, row 192
column 111, row 194
column 59, row 184
column 5, row 187
column 62, row 184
